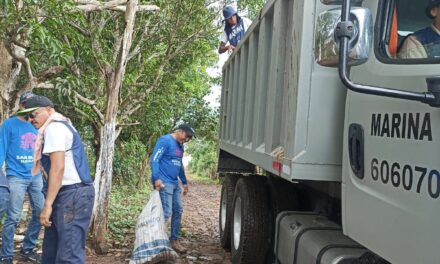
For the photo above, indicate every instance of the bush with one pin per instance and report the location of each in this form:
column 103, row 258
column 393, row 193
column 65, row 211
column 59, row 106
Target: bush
column 126, row 203
column 127, row 165
column 203, row 158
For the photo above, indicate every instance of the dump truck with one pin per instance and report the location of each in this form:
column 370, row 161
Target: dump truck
column 329, row 143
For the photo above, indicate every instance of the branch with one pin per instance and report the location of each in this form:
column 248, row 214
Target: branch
column 18, row 43
column 137, row 49
column 92, row 104
column 79, row 29
column 45, row 85
column 115, row 5
column 130, row 124
column 11, row 48
column 49, row 73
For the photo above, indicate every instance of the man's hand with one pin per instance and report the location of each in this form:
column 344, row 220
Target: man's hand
column 223, row 48
column 158, row 185
column 45, row 214
column 185, row 189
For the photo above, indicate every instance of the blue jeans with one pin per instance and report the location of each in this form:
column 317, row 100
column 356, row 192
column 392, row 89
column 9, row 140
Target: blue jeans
column 170, row 197
column 4, row 201
column 65, row 240
column 18, row 187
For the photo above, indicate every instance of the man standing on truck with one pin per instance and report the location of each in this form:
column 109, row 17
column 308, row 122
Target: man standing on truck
column 167, row 169
column 234, row 31
column 424, row 43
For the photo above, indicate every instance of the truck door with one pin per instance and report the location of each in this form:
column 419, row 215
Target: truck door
column 391, row 163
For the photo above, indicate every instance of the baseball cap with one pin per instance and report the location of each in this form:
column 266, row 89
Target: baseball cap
column 189, row 130
column 431, row 4
column 34, row 103
column 228, row 12
column 25, row 96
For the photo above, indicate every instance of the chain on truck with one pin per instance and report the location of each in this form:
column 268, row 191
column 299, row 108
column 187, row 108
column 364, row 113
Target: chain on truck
column 314, row 172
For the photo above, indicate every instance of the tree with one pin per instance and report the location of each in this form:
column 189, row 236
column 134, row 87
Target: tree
column 163, row 43
column 104, row 59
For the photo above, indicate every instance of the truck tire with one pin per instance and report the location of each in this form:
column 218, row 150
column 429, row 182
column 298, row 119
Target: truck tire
column 225, row 211
column 283, row 197
column 250, row 222
column 369, row 258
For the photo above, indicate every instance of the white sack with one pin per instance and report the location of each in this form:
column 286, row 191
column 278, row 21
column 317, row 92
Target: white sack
column 152, row 244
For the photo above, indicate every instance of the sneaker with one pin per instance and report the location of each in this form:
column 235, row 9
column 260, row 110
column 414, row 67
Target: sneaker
column 6, row 261
column 178, row 247
column 31, row 256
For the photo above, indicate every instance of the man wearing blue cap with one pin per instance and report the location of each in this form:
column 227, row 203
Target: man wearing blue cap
column 424, row 43
column 234, row 31
column 17, row 143
column 166, row 170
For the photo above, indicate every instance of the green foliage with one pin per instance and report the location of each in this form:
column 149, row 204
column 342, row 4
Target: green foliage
column 127, row 164
column 126, row 203
column 203, row 158
column 252, row 7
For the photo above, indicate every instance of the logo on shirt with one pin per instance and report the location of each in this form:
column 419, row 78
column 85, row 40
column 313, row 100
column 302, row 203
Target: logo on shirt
column 179, row 152
column 235, row 31
column 28, row 141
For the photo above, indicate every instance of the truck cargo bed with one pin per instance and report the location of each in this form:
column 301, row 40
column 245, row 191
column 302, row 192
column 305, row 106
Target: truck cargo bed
column 280, row 110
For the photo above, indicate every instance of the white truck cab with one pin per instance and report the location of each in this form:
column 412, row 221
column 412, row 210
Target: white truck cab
column 330, row 134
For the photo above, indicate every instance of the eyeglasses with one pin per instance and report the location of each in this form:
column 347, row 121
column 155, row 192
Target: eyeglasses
column 29, row 116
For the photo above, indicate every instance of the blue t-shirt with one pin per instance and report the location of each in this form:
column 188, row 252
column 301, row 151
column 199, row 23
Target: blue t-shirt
column 166, row 161
column 17, row 142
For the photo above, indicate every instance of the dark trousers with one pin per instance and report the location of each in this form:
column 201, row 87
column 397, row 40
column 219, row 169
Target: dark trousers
column 65, row 240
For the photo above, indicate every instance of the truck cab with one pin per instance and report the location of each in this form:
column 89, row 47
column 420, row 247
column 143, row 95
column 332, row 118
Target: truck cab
column 329, row 127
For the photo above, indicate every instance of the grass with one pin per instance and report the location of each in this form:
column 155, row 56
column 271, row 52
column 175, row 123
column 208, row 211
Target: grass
column 126, row 205
column 193, row 177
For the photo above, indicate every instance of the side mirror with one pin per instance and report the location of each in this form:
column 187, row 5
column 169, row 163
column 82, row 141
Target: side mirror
column 346, row 33
column 327, row 45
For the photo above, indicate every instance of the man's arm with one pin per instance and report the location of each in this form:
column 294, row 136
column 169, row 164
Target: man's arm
column 182, row 177
column 159, row 150
column 4, row 139
column 412, row 49
column 55, row 179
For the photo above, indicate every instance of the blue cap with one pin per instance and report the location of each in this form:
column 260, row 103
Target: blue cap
column 228, row 12
column 24, row 97
column 431, row 5
column 189, row 130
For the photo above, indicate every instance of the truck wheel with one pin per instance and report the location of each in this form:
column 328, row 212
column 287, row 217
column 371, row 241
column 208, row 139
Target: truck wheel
column 250, row 221
column 283, row 198
column 225, row 212
column 370, row 258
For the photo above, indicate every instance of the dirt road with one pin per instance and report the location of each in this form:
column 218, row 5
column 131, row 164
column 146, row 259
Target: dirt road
column 200, row 233
column 200, row 225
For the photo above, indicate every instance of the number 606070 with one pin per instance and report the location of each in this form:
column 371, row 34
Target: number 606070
column 410, row 178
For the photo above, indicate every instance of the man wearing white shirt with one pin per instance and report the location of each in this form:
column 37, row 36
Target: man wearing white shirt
column 68, row 187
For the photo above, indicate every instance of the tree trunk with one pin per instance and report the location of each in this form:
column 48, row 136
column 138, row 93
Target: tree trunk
column 103, row 185
column 143, row 175
column 104, row 166
column 9, row 70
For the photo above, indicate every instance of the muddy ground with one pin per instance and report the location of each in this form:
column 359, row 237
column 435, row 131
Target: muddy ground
column 200, row 234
